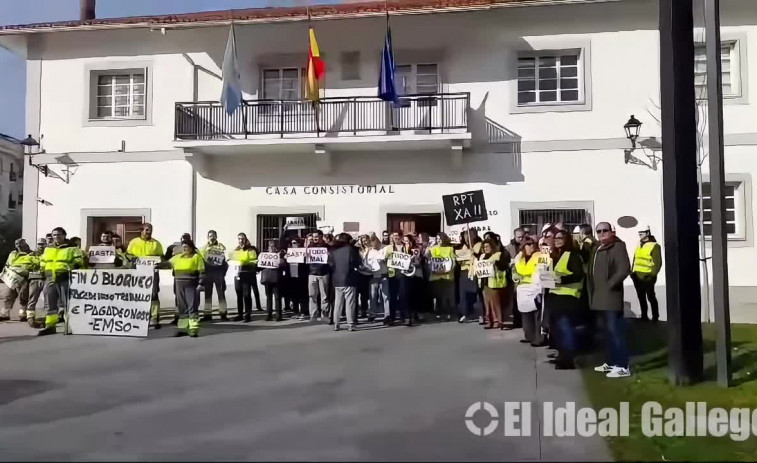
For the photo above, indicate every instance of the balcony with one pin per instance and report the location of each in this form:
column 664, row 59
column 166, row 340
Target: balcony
column 429, row 118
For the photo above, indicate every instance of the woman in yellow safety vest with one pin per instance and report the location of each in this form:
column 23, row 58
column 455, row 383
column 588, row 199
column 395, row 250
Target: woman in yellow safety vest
column 524, row 273
column 188, row 268
column 441, row 260
column 493, row 286
column 564, row 301
column 245, row 261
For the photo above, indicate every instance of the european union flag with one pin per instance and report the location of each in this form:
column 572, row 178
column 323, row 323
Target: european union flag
column 387, row 91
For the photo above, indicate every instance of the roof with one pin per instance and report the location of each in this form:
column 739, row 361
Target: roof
column 282, row 14
column 9, row 138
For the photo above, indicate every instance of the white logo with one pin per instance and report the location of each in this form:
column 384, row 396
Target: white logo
column 493, row 415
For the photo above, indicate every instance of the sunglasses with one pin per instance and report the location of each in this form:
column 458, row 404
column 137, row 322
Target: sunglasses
column 603, row 230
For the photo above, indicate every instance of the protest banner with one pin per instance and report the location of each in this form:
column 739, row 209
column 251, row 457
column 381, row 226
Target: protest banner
column 465, row 207
column 441, row 265
column 269, row 260
column 110, row 302
column 147, row 262
column 296, row 255
column 485, row 269
column 545, row 278
column 317, row 256
column 295, row 223
column 102, row 254
column 454, row 236
column 215, row 257
column 463, row 255
column 399, row 260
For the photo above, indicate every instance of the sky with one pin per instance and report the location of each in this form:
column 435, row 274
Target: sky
column 12, row 69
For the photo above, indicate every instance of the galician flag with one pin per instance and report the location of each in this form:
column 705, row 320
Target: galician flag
column 231, row 96
column 315, row 71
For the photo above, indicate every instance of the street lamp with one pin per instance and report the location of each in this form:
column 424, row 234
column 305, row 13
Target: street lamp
column 633, row 127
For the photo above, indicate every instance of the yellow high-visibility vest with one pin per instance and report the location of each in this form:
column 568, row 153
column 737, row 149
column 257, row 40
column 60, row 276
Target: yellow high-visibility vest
column 527, row 269
column 442, row 252
column 642, row 259
column 566, row 289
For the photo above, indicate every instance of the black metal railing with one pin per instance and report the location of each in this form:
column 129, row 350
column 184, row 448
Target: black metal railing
column 354, row 115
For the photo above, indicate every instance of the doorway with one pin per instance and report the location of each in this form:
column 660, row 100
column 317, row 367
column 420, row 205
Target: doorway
column 127, row 227
column 414, row 223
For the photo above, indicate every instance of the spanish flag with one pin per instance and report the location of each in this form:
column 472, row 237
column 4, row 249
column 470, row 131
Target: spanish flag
column 316, row 70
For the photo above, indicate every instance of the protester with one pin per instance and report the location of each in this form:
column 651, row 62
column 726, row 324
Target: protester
column 564, row 301
column 216, row 266
column 188, row 271
column 426, row 300
column 385, row 240
column 364, row 277
column 526, row 264
column 176, row 248
column 442, row 260
column 106, row 239
column 375, row 261
column 393, row 274
column 513, row 248
column 57, row 262
column 36, row 285
column 344, row 261
column 409, row 281
column 15, row 280
column 647, row 262
column 318, row 282
column 271, row 279
column 494, row 287
column 608, row 269
column 245, row 259
column 145, row 246
column 468, row 282
column 296, row 277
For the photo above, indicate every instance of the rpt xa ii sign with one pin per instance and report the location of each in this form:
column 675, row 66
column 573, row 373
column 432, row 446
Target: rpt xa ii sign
column 462, row 208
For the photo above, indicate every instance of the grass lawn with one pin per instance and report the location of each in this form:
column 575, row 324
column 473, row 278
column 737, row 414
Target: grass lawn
column 650, row 383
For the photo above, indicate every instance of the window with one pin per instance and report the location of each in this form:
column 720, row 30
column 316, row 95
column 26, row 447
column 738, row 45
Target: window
column 417, row 79
column 121, row 95
column 271, row 227
column 12, row 173
column 550, row 78
column 350, row 61
column 730, row 70
column 20, row 198
column 535, row 219
column 11, row 202
column 284, row 84
column 735, row 210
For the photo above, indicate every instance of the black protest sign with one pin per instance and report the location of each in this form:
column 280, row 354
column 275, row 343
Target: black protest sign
column 461, row 208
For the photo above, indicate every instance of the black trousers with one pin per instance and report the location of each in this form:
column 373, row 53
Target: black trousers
column 409, row 296
column 273, row 298
column 645, row 290
column 243, row 285
column 364, row 294
column 297, row 294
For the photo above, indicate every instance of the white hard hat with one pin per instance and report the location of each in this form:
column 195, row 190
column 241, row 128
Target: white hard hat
column 576, row 230
column 545, row 227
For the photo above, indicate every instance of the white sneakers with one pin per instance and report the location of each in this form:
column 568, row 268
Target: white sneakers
column 613, row 371
column 463, row 319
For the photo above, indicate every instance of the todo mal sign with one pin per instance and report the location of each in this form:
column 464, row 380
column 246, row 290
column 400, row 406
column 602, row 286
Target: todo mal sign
column 467, row 207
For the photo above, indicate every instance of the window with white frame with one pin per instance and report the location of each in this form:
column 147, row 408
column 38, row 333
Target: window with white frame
column 735, row 210
column 417, row 79
column 121, row 95
column 283, row 84
column 730, row 72
column 550, row 78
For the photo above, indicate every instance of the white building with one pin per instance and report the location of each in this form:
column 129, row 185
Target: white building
column 542, row 148
column 11, row 175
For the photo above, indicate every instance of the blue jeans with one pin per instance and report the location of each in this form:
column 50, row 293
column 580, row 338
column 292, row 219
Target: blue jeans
column 615, row 328
column 380, row 288
column 566, row 339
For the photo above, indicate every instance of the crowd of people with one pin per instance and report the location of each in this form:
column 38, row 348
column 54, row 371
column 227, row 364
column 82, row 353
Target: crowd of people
column 557, row 285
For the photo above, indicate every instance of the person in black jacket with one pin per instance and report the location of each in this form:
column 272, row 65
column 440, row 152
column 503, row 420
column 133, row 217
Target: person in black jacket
column 344, row 261
column 272, row 279
column 564, row 301
column 318, row 281
column 296, row 281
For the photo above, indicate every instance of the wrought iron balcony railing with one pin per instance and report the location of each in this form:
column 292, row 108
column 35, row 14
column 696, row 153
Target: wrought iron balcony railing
column 356, row 115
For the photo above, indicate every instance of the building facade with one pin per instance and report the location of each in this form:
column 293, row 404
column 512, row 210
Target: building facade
column 11, row 176
column 523, row 101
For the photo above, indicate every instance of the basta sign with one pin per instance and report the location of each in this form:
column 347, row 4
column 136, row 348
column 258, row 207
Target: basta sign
column 460, row 208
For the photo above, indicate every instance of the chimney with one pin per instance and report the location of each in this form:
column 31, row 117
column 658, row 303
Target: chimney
column 87, row 10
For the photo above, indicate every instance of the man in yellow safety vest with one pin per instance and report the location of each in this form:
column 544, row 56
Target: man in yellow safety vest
column 15, row 277
column 647, row 262
column 57, row 262
column 148, row 251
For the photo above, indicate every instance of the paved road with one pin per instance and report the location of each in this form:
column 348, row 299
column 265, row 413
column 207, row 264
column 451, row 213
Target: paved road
column 290, row 391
